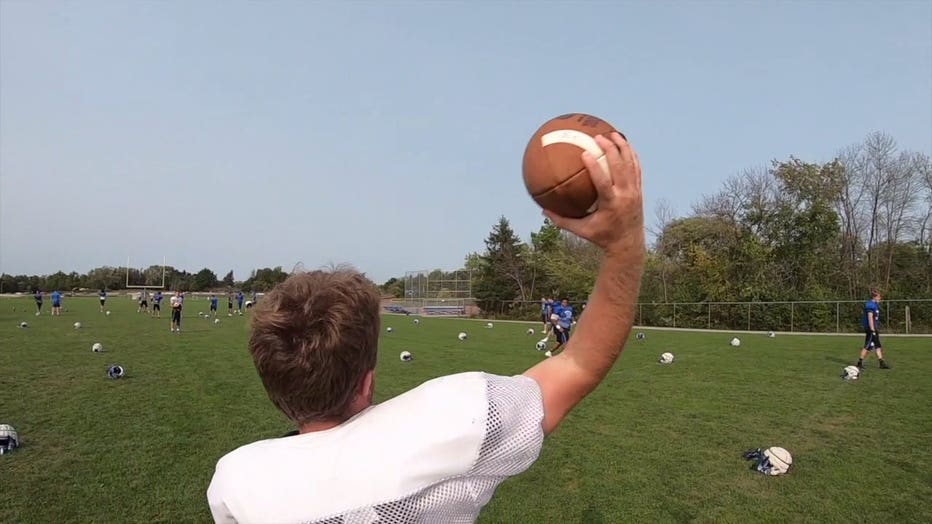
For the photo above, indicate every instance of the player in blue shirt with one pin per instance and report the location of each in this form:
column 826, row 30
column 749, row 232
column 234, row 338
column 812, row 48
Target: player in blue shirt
column 562, row 319
column 239, row 302
column 157, row 304
column 213, row 304
column 870, row 321
column 56, row 303
column 103, row 298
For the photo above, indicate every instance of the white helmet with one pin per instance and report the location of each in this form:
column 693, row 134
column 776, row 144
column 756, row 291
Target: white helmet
column 666, row 358
column 462, row 336
column 641, row 336
column 851, row 373
column 406, row 356
column 541, row 345
column 489, row 325
column 735, row 342
column 530, row 331
column 771, row 461
column 97, row 347
column 9, row 439
column 116, row 371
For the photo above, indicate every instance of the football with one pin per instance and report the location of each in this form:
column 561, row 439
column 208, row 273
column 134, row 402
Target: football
column 553, row 170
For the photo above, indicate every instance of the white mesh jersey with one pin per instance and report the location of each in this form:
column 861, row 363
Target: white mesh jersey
column 434, row 454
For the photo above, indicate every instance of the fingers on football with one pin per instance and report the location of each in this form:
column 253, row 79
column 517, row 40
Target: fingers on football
column 560, row 221
column 627, row 171
column 600, row 179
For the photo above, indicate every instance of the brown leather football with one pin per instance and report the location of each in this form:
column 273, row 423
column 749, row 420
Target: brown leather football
column 554, row 173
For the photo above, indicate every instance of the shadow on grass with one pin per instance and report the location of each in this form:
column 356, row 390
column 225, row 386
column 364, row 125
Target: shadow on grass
column 592, row 515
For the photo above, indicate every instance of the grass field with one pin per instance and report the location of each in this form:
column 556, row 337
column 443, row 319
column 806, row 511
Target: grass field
column 653, row 444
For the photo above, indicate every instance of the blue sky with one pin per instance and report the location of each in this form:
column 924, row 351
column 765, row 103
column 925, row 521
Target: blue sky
column 389, row 135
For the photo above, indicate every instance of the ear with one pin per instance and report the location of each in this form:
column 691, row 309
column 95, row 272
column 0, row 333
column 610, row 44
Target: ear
column 368, row 386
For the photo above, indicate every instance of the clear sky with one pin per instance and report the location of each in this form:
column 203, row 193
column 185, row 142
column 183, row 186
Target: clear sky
column 389, row 135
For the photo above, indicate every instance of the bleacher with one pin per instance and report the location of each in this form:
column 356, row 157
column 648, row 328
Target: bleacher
column 395, row 308
column 444, row 310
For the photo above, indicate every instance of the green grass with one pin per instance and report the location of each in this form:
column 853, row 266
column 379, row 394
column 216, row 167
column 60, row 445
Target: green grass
column 653, row 444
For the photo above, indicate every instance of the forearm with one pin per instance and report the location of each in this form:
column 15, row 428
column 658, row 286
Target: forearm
column 602, row 330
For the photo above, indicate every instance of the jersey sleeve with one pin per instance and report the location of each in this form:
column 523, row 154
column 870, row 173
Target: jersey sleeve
column 514, row 426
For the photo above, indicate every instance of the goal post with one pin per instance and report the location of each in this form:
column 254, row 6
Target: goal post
column 152, row 277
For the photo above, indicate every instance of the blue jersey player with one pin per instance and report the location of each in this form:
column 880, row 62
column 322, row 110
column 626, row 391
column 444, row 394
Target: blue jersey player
column 56, row 303
column 157, row 304
column 213, row 304
column 870, row 321
column 562, row 320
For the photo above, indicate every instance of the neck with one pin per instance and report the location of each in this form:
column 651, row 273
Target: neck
column 324, row 425
column 311, row 427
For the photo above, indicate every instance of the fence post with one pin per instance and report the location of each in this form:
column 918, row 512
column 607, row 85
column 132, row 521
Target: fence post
column 792, row 313
column 710, row 315
column 749, row 316
column 837, row 317
column 674, row 314
column 640, row 315
column 907, row 320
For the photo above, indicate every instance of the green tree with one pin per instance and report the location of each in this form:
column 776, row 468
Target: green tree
column 501, row 279
column 204, row 280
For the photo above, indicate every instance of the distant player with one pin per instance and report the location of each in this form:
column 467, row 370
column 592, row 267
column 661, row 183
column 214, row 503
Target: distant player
column 102, row 296
column 143, row 302
column 871, row 323
column 177, row 302
column 56, row 303
column 38, row 297
column 239, row 302
column 157, row 304
column 213, row 304
column 230, row 304
column 545, row 314
column 562, row 320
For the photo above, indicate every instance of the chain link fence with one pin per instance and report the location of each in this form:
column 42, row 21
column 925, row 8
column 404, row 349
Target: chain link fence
column 838, row 316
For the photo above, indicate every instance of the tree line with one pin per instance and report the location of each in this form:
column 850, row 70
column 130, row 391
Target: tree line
column 791, row 231
column 115, row 278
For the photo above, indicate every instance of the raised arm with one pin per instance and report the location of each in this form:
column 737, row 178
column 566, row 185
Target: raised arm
column 602, row 330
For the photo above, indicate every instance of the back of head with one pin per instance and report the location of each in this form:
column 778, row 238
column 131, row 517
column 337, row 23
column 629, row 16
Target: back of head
column 314, row 338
